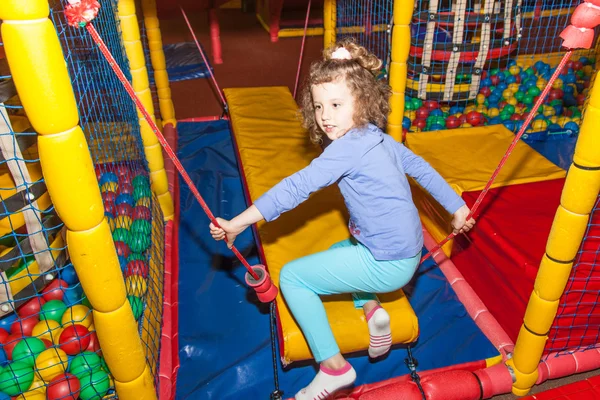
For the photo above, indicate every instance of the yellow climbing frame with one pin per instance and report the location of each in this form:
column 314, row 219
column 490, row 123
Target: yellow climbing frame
column 40, row 75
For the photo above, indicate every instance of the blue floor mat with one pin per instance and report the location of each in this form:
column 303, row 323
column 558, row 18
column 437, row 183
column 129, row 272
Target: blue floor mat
column 184, row 62
column 224, row 334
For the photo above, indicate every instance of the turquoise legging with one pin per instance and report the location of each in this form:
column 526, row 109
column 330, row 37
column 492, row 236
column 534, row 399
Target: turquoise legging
column 347, row 267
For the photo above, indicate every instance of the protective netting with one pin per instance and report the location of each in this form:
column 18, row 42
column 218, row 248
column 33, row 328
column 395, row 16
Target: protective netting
column 474, row 63
column 49, row 345
column 577, row 323
column 369, row 22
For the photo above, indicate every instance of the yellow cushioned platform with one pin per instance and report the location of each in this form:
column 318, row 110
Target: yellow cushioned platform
column 467, row 158
column 272, row 145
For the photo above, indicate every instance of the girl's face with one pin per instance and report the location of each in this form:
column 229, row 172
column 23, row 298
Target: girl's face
column 334, row 108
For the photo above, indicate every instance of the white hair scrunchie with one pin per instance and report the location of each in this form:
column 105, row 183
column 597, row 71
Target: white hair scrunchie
column 341, row 54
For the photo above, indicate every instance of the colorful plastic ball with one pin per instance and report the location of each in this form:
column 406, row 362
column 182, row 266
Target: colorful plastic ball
column 109, row 187
column 84, row 363
column 141, row 180
column 136, row 256
column 474, row 118
column 538, row 125
column 137, row 306
column 94, row 385
column 3, row 335
column 124, row 209
column 24, row 326
column 144, row 201
column 452, row 122
column 122, row 262
column 138, row 242
column 63, row 387
column 109, row 196
column 94, row 345
column 136, row 267
column 125, row 198
column 27, row 350
column 136, row 285
column 121, row 235
column 141, row 212
column 126, row 188
column 142, row 226
column 78, row 314
column 108, row 177
column 16, row 378
column 485, row 91
column 51, row 363
column 571, row 128
column 31, row 307
column 47, row 329
column 55, row 290
column 405, row 124
column 436, row 127
column 418, row 123
column 74, row 339
column 72, row 295
column 422, row 113
column 122, row 249
column 54, row 310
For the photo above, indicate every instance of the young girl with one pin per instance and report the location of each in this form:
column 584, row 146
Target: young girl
column 344, row 104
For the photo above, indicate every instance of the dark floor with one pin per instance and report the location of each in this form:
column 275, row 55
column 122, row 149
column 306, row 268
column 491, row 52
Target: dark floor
column 250, row 59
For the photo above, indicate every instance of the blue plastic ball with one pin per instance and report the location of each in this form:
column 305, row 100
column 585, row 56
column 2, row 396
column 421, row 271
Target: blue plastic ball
column 108, row 177
column 122, row 262
column 406, row 122
column 7, row 320
column 572, row 128
column 125, row 198
column 69, row 275
column 436, row 127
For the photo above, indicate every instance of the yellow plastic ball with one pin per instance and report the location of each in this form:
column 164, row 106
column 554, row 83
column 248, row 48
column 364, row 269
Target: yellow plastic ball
column 469, row 108
column 411, row 114
column 51, row 363
column 476, row 39
column 493, row 112
column 512, row 101
column 514, row 70
column 445, row 109
column 587, row 70
column 558, row 84
column 507, row 94
column 109, row 187
column 577, row 120
column 541, row 83
column 123, row 221
column 481, row 109
column 466, row 125
column 563, row 120
column 514, row 87
column 111, row 223
column 539, row 125
column 144, row 201
column 48, row 329
column 136, row 285
column 37, row 391
column 548, row 111
column 77, row 315
column 480, row 99
column 554, row 119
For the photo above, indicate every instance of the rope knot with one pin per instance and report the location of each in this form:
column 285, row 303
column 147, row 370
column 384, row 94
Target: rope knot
column 81, row 12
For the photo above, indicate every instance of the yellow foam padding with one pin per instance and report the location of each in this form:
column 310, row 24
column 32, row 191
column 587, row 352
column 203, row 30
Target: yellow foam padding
column 141, row 388
column 272, row 145
column 95, row 259
column 467, row 158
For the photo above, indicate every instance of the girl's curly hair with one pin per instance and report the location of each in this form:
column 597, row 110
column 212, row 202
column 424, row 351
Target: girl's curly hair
column 371, row 96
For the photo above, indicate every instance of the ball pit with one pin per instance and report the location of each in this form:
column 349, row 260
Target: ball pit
column 506, row 96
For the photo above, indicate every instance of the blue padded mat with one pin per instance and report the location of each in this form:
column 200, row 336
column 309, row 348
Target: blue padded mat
column 224, row 335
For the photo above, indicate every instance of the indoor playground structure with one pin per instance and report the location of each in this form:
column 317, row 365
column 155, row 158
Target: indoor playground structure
column 113, row 288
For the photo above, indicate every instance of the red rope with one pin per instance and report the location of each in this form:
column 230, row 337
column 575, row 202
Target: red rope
column 302, row 48
column 525, row 125
column 113, row 64
column 187, row 21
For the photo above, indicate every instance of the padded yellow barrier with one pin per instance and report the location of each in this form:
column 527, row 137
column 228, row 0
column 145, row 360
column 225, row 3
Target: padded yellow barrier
column 272, row 145
column 467, row 158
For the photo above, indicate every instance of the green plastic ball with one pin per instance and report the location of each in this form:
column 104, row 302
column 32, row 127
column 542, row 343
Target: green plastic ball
column 27, row 350
column 121, row 235
column 137, row 306
column 139, row 242
column 53, row 309
column 94, row 385
column 141, row 191
column 136, row 256
column 16, row 378
column 84, row 363
column 141, row 226
column 140, row 181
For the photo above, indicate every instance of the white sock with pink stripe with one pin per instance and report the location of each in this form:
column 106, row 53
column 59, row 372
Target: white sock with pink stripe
column 378, row 321
column 327, row 382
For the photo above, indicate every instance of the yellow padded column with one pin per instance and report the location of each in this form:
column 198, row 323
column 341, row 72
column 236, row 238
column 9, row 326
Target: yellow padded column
column 40, row 75
column 329, row 22
column 577, row 201
column 398, row 67
column 139, row 74
column 157, row 57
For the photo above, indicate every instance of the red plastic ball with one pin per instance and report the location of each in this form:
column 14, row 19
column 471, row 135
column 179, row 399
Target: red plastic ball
column 420, row 123
column 517, row 78
column 142, row 212
column 515, row 117
column 126, row 187
column 495, row 79
column 109, row 196
column 47, row 343
column 555, row 94
column 10, row 342
column 474, row 118
column 55, row 290
column 94, row 345
column 63, row 387
column 3, row 335
column 580, row 99
column 431, row 104
column 32, row 307
column 577, row 65
column 124, row 209
column 452, row 122
column 110, row 207
column 136, row 267
column 122, row 249
column 123, row 170
column 74, row 339
column 486, row 91
column 24, row 326
column 462, row 118
column 422, row 113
